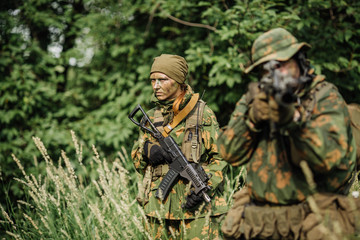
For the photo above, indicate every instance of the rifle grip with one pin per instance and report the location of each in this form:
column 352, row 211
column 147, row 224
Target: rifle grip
column 166, row 184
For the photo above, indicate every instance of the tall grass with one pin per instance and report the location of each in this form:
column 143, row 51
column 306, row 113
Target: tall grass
column 74, row 201
column 64, row 205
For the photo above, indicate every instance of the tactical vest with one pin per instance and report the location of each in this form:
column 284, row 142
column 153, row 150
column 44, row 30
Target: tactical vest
column 191, row 144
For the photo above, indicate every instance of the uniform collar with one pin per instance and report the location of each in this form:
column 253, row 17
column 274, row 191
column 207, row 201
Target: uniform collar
column 167, row 104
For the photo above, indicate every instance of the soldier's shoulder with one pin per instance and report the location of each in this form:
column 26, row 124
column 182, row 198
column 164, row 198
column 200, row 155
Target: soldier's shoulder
column 323, row 89
column 151, row 111
column 208, row 112
column 209, row 117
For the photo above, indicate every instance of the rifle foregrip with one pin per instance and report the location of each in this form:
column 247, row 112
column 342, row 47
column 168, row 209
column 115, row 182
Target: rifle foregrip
column 166, row 184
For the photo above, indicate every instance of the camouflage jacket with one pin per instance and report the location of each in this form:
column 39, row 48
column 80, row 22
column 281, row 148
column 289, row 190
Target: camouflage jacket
column 210, row 159
column 323, row 139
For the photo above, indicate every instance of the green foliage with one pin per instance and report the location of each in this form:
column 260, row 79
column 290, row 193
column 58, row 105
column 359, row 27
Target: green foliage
column 83, row 65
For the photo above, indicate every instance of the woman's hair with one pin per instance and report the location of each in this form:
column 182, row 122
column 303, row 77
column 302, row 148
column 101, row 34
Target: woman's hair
column 180, row 98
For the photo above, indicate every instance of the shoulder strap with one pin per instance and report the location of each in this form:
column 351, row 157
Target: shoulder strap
column 191, row 144
column 181, row 115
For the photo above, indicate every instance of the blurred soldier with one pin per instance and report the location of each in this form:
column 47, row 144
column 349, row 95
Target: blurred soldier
column 290, row 120
column 196, row 134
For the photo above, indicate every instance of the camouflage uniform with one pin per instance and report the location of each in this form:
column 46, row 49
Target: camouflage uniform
column 321, row 137
column 170, row 209
column 324, row 142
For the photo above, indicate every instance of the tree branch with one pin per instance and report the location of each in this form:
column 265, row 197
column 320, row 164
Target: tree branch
column 151, row 17
column 191, row 24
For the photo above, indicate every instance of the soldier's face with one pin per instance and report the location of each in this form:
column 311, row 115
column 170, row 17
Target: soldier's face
column 164, row 87
column 290, row 68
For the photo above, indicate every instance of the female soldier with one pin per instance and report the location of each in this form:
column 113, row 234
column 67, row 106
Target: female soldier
column 196, row 134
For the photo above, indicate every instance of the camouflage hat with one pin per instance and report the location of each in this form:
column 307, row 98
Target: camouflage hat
column 276, row 44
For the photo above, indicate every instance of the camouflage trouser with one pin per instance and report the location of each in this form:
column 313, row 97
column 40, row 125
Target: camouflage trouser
column 196, row 229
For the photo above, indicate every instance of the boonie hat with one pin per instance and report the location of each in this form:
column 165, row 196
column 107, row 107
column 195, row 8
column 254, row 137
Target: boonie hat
column 276, row 44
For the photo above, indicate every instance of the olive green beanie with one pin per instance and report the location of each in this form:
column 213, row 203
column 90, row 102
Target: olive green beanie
column 173, row 66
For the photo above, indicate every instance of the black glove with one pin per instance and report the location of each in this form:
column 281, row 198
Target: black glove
column 155, row 153
column 192, row 200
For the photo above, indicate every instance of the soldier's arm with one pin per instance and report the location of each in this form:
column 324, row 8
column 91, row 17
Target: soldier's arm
column 236, row 142
column 137, row 153
column 325, row 142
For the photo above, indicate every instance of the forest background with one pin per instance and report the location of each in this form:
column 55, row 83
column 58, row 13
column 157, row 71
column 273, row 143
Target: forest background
column 83, row 65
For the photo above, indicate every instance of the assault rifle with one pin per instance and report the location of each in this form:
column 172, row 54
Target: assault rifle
column 178, row 164
column 277, row 85
column 281, row 87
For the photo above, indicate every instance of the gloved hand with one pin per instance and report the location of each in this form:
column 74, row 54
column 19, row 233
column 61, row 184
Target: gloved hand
column 259, row 108
column 264, row 108
column 192, row 200
column 155, row 153
column 281, row 114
